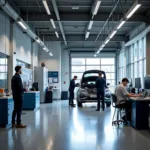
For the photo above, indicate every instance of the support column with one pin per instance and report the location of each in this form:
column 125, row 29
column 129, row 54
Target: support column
column 12, row 58
column 148, row 54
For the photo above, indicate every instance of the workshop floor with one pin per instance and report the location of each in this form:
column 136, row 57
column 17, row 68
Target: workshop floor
column 56, row 127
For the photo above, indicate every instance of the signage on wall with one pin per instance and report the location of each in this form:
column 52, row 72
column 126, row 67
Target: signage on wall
column 53, row 76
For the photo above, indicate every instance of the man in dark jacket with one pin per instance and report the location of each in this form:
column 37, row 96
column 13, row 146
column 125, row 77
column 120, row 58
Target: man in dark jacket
column 100, row 85
column 17, row 90
column 71, row 91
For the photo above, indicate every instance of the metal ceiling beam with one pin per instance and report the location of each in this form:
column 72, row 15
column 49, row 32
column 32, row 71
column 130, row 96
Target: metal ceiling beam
column 59, row 22
column 81, row 38
column 92, row 49
column 81, row 17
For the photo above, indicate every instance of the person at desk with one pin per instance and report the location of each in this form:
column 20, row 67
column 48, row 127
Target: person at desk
column 71, row 91
column 122, row 98
column 100, row 85
column 17, row 90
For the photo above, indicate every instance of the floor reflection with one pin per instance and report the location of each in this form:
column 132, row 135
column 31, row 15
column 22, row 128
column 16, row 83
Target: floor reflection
column 58, row 127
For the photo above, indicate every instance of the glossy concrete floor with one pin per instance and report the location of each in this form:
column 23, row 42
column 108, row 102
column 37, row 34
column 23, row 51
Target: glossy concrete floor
column 56, row 127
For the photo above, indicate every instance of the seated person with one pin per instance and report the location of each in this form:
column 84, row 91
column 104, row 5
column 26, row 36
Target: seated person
column 122, row 98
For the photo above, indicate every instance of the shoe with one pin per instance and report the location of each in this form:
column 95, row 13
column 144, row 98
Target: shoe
column 73, row 105
column 97, row 110
column 13, row 125
column 20, row 126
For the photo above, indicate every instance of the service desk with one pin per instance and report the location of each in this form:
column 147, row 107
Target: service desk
column 6, row 109
column 31, row 100
column 140, row 112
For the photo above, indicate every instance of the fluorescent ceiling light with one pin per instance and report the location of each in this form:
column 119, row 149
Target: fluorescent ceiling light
column 22, row 25
column 53, row 23
column 97, row 7
column 38, row 40
column 57, row 35
column 103, row 45
column 87, row 34
column 90, row 25
column 121, row 24
column 100, row 49
column 51, row 54
column 75, row 7
column 98, row 52
column 46, row 6
column 95, row 55
column 113, row 33
column 107, row 41
column 133, row 10
column 44, row 48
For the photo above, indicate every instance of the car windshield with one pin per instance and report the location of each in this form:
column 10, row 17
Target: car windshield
column 91, row 75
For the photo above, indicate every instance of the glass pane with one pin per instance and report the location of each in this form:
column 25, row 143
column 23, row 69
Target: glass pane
column 78, row 68
column 77, row 81
column 93, row 61
column 3, row 61
column 110, row 76
column 108, row 68
column 92, row 67
column 79, row 75
column 145, row 67
column 3, row 83
column 107, row 61
column 135, row 70
column 3, row 68
column 3, row 76
column 111, row 82
column 78, row 61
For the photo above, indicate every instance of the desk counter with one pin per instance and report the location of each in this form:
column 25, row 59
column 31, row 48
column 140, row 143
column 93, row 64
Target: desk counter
column 140, row 112
column 31, row 100
column 6, row 109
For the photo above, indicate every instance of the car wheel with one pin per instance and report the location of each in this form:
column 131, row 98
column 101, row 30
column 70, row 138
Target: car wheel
column 79, row 104
column 108, row 104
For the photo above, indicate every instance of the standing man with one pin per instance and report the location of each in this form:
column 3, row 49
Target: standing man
column 100, row 85
column 17, row 90
column 71, row 91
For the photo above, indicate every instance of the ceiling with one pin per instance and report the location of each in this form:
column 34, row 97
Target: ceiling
column 75, row 21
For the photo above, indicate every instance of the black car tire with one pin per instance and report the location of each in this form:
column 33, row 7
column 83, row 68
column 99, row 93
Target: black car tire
column 108, row 104
column 79, row 104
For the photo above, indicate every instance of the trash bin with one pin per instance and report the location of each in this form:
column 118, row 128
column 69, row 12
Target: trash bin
column 64, row 95
column 49, row 97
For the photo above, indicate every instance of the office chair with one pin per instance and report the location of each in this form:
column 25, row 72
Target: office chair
column 119, row 113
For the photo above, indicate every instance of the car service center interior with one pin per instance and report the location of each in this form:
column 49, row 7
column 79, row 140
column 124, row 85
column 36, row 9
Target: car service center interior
column 60, row 59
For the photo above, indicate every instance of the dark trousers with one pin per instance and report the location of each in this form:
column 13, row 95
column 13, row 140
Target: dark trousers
column 18, row 104
column 71, row 97
column 100, row 96
column 128, row 108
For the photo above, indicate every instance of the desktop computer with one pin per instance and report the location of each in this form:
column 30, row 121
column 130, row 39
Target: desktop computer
column 147, row 83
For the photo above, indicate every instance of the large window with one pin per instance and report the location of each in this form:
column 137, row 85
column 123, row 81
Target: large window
column 132, row 61
column 79, row 65
column 3, row 73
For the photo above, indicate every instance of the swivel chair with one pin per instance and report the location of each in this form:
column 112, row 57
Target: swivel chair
column 118, row 110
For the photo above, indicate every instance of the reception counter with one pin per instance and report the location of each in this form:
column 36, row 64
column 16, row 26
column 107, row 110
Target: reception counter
column 6, row 109
column 31, row 100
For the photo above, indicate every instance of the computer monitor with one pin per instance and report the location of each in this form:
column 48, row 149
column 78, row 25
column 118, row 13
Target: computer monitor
column 138, row 83
column 147, row 83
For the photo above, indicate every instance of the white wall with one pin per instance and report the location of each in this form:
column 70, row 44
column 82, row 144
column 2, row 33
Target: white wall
column 22, row 44
column 52, row 63
column 4, row 33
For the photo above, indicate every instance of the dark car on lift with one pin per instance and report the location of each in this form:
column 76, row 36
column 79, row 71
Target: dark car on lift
column 87, row 90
